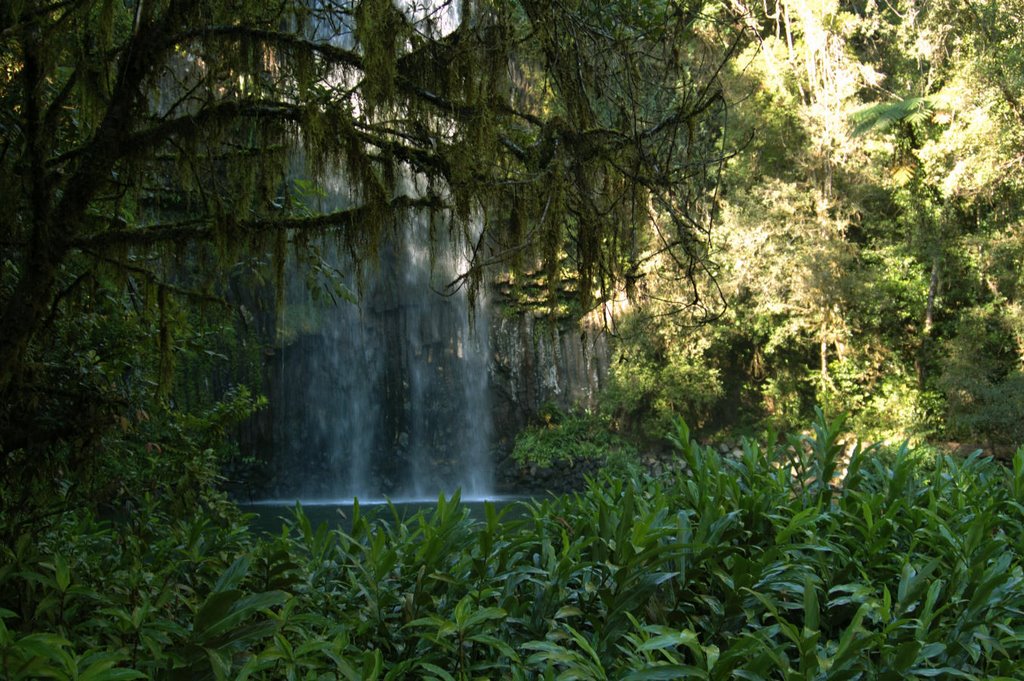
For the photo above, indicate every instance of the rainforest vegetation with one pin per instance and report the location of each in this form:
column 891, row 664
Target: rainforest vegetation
column 800, row 224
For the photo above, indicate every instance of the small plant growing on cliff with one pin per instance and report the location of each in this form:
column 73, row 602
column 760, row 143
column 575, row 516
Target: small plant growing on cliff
column 576, row 436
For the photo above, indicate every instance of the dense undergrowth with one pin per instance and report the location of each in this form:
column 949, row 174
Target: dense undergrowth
column 757, row 568
column 575, row 437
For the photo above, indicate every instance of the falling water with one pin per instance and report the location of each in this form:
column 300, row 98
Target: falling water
column 387, row 396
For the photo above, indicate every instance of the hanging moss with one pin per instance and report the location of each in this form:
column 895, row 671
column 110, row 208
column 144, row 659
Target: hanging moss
column 380, row 30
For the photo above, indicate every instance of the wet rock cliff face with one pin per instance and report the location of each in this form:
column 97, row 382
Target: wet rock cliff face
column 408, row 393
column 534, row 361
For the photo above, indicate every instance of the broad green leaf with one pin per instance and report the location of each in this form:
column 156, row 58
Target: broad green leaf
column 373, row 663
column 233, row 575
column 799, row 522
column 62, row 573
column 681, row 638
column 944, row 672
column 215, row 608
column 666, row 672
column 906, row 655
column 228, row 611
column 484, row 615
column 567, row 611
column 436, row 671
column 811, row 609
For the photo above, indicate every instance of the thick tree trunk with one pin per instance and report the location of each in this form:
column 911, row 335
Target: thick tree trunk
column 26, row 312
column 826, row 323
column 823, row 352
column 58, row 209
column 23, row 312
column 933, row 289
column 929, row 321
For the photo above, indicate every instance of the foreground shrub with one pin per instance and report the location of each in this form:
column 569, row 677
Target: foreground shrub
column 762, row 567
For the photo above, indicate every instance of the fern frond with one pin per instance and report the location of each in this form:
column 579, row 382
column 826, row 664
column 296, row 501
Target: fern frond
column 913, row 110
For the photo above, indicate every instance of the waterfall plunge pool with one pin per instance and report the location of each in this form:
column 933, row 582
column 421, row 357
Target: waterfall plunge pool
column 270, row 515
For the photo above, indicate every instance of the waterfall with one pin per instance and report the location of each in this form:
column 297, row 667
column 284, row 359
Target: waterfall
column 387, row 396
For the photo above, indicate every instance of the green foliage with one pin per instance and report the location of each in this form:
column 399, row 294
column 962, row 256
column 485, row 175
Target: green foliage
column 99, row 429
column 576, row 436
column 765, row 566
column 888, row 404
column 867, row 220
column 656, row 377
column 912, row 110
column 982, row 376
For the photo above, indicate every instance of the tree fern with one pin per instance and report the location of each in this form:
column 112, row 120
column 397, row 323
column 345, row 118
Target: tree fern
column 912, row 110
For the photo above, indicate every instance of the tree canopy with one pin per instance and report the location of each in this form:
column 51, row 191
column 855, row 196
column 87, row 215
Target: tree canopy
column 869, row 241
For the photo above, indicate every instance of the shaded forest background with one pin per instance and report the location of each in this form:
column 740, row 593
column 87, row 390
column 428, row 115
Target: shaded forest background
column 788, row 204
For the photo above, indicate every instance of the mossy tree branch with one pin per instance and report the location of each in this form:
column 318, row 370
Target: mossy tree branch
column 206, row 230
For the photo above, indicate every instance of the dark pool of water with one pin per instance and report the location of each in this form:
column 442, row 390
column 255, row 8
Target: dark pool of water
column 271, row 515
